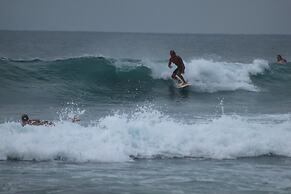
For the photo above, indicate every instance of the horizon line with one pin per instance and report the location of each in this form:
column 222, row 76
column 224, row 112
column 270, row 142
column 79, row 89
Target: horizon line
column 138, row 32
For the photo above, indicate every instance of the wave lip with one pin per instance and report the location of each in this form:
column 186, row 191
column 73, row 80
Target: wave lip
column 148, row 133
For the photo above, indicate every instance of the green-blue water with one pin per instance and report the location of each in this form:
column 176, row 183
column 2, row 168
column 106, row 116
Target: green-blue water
column 227, row 133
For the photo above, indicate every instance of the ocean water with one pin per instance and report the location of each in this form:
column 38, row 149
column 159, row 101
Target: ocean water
column 230, row 132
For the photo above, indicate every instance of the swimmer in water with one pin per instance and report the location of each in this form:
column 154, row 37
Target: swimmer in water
column 25, row 120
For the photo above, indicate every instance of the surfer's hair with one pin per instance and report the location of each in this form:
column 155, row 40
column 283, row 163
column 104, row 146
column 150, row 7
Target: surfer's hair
column 24, row 117
column 172, row 52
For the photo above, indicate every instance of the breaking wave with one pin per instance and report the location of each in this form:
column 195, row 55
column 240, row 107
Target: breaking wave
column 99, row 73
column 148, row 133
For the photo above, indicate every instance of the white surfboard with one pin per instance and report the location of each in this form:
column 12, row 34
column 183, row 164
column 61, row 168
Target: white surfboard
column 183, row 85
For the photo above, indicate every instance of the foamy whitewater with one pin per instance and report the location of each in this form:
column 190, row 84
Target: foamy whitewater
column 229, row 132
column 212, row 76
column 148, row 134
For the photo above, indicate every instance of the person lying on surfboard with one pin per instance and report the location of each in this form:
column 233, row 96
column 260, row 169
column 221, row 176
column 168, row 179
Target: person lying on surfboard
column 25, row 120
column 178, row 61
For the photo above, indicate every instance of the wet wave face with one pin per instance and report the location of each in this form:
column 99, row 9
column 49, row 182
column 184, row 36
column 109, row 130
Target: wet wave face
column 34, row 86
column 107, row 75
column 148, row 134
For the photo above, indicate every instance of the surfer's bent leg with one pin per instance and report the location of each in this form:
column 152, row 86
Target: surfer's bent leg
column 175, row 74
column 179, row 74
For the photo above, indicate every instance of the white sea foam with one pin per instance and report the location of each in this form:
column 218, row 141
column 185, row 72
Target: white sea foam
column 212, row 76
column 148, row 133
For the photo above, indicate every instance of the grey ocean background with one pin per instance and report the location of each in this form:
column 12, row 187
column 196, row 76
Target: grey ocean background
column 228, row 133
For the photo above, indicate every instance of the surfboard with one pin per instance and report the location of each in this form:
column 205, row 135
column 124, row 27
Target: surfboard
column 183, row 85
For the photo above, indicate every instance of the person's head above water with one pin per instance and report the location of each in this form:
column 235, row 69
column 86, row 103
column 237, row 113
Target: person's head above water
column 279, row 58
column 24, row 118
column 172, row 53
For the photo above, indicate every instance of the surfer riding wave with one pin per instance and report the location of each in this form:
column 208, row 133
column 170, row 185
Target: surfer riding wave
column 178, row 61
